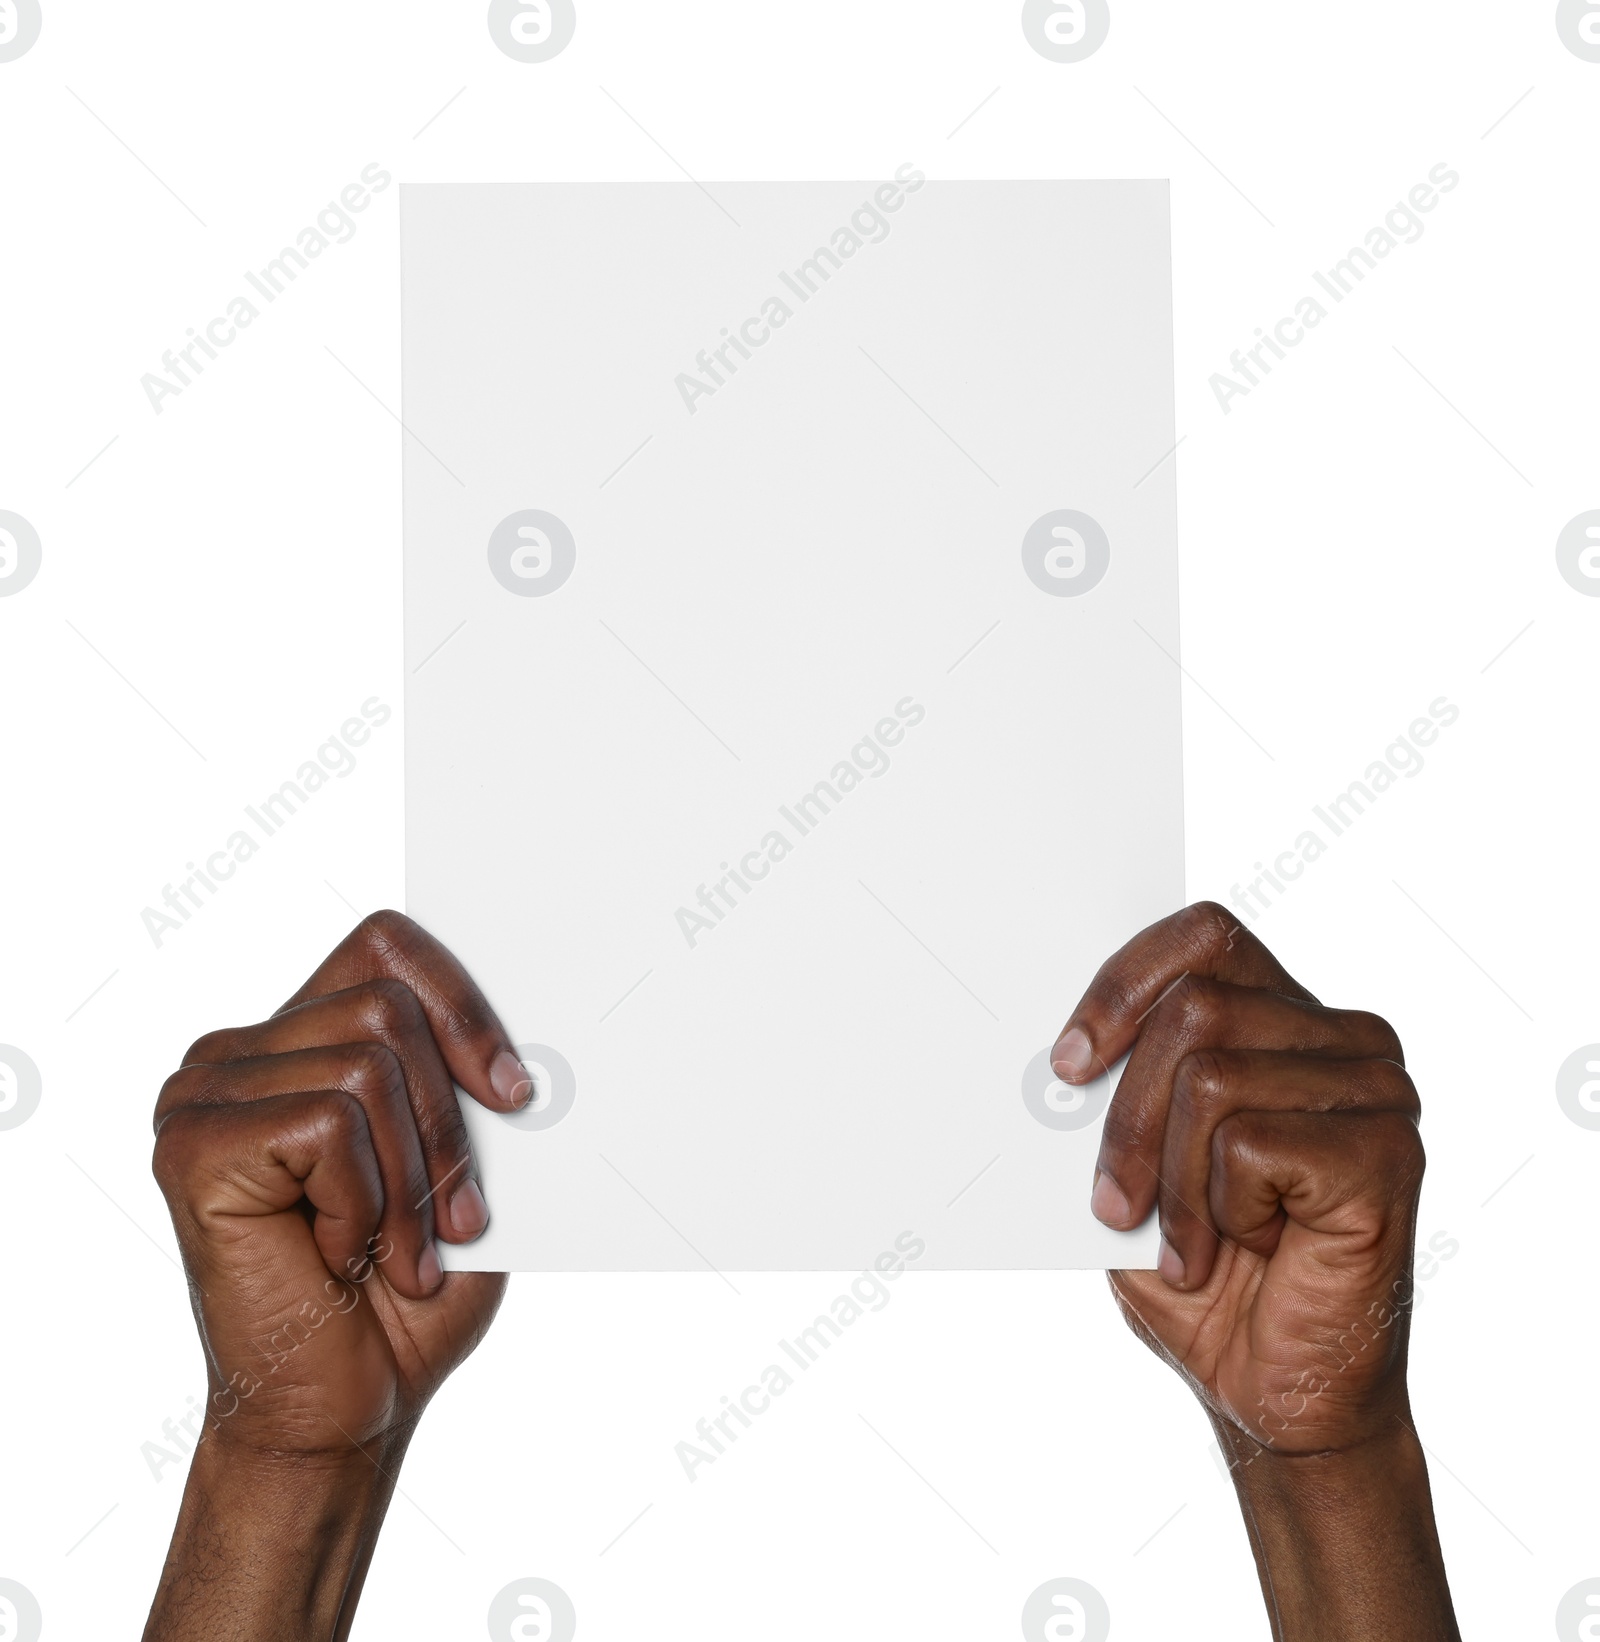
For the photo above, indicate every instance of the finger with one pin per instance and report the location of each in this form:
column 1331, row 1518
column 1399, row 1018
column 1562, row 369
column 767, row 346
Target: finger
column 220, row 1163
column 1209, row 1087
column 1207, row 1014
column 1343, row 1182
column 370, row 1074
column 475, row 1046
column 388, row 1012
column 1204, row 940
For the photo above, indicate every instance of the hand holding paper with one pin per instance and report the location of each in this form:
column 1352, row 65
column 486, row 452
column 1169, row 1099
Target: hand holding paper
column 310, row 1162
column 303, row 1160
column 1277, row 1139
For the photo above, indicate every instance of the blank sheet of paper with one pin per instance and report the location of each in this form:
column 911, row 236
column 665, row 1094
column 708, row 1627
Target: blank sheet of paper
column 792, row 715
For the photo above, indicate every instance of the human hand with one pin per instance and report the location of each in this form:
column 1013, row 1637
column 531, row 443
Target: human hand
column 309, row 1163
column 1278, row 1140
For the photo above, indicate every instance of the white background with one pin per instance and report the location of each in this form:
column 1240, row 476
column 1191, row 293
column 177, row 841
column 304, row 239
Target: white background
column 1352, row 549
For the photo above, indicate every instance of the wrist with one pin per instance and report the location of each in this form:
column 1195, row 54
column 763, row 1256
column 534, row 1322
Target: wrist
column 254, row 1474
column 1344, row 1539
column 271, row 1544
column 1327, row 1480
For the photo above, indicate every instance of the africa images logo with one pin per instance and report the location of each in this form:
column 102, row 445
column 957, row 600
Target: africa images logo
column 1578, row 24
column 1065, row 553
column 555, row 1087
column 869, row 759
column 532, row 31
column 20, row 1087
column 531, row 553
column 868, row 225
column 1066, row 31
column 1578, row 1086
column 1066, row 1610
column 20, row 22
column 1059, row 1105
column 20, row 552
column 1577, row 553
column 532, row 1610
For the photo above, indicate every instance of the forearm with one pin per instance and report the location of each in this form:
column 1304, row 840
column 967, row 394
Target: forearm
column 269, row 1548
column 1345, row 1544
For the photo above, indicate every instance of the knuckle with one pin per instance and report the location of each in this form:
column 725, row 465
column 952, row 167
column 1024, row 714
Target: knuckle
column 389, row 1008
column 337, row 1118
column 1396, row 1087
column 1207, row 927
column 174, row 1149
column 1232, row 1140
column 1116, row 994
column 1381, row 1035
column 443, row 1131
column 1200, row 1083
column 1191, row 1007
column 212, row 1048
column 1409, row 1156
column 387, row 933
column 372, row 1072
column 187, row 1086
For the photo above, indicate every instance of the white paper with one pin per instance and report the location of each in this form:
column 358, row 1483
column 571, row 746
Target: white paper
column 918, row 546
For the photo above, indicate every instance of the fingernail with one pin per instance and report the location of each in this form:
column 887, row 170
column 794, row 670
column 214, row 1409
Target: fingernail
column 469, row 1214
column 509, row 1079
column 1169, row 1265
column 1107, row 1203
column 429, row 1272
column 1072, row 1056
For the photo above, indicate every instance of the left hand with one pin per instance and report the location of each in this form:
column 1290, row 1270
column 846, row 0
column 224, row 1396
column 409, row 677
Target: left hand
column 1278, row 1140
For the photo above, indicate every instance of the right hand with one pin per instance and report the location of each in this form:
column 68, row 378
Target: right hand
column 309, row 1163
